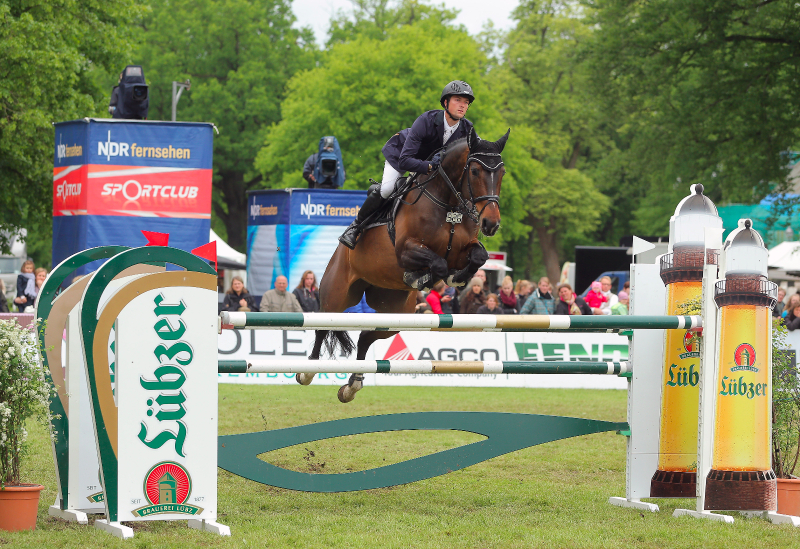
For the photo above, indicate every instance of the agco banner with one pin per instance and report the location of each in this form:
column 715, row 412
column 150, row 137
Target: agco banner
column 290, row 231
column 536, row 346
column 114, row 178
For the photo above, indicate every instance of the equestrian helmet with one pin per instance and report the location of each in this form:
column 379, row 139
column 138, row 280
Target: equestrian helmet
column 457, row 87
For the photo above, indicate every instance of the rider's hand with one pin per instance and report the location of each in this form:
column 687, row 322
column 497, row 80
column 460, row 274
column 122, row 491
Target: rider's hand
column 435, row 161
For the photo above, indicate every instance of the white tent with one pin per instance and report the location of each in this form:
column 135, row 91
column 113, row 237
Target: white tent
column 785, row 256
column 227, row 257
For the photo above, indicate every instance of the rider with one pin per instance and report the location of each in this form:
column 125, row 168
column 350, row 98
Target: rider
column 408, row 150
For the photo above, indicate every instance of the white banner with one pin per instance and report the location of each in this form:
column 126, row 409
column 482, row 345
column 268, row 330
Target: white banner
column 510, row 346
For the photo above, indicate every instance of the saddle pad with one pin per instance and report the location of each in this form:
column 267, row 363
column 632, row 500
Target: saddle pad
column 386, row 215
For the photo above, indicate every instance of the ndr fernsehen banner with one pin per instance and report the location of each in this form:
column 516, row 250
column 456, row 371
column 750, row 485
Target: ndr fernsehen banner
column 114, row 178
column 290, row 231
column 296, row 345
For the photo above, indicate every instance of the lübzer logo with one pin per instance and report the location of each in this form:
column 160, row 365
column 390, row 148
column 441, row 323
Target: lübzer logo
column 167, row 486
column 691, row 344
column 745, row 358
column 169, row 378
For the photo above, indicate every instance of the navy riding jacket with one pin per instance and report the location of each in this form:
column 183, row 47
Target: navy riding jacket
column 407, row 150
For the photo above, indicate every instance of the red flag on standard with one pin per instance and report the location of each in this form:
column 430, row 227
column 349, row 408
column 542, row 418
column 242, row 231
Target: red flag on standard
column 208, row 251
column 156, row 239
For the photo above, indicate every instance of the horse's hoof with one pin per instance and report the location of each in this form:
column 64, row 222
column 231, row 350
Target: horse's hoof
column 453, row 283
column 304, row 379
column 346, row 394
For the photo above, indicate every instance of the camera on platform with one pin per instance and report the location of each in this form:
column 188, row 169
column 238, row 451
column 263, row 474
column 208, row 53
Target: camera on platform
column 130, row 98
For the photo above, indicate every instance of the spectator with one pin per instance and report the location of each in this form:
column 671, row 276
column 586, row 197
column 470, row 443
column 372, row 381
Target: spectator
column 794, row 301
column 522, row 289
column 569, row 303
column 237, row 298
column 278, row 300
column 422, row 304
column 541, row 301
column 3, row 302
column 434, row 298
column 779, row 306
column 605, row 284
column 475, row 298
column 793, row 319
column 492, row 306
column 307, row 293
column 508, row 300
column 480, row 274
column 450, row 304
column 621, row 308
column 595, row 298
column 26, row 286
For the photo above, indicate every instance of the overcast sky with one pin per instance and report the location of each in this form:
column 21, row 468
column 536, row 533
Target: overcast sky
column 474, row 13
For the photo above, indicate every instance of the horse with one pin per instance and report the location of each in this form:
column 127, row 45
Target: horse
column 436, row 238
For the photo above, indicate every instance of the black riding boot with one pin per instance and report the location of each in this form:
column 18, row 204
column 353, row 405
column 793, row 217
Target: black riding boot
column 371, row 205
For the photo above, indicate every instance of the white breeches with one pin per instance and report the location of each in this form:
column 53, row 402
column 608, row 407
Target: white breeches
column 389, row 181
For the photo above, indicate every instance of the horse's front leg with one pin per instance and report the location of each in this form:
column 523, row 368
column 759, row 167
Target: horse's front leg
column 476, row 257
column 423, row 267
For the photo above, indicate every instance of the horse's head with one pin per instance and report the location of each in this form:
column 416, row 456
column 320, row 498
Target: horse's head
column 484, row 174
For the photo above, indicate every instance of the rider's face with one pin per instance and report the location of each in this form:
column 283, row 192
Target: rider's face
column 457, row 106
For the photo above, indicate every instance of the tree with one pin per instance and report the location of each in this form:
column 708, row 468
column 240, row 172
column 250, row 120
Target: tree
column 702, row 92
column 238, row 54
column 52, row 54
column 543, row 87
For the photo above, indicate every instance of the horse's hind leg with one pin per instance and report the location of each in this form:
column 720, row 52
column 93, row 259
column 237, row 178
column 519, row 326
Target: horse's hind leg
column 383, row 301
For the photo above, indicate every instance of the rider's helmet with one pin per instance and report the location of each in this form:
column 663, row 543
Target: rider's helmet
column 457, row 87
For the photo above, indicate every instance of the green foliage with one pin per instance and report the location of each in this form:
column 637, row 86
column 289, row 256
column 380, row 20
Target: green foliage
column 785, row 406
column 698, row 92
column 543, row 89
column 51, row 56
column 238, row 55
column 24, row 393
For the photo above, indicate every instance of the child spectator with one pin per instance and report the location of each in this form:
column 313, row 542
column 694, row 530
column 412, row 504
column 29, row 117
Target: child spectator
column 595, row 298
column 26, row 286
column 621, row 306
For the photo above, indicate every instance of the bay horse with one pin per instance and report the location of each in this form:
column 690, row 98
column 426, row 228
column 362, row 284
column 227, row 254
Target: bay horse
column 436, row 230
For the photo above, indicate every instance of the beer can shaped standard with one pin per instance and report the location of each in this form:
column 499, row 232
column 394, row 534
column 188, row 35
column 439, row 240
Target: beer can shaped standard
column 680, row 387
column 742, row 415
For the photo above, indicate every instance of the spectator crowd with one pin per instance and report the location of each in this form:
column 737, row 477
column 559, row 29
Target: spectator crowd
column 476, row 297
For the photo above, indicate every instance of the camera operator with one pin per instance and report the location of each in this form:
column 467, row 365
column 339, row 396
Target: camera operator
column 325, row 169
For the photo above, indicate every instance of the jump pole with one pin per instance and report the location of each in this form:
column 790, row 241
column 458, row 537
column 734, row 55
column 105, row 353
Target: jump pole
column 273, row 366
column 462, row 322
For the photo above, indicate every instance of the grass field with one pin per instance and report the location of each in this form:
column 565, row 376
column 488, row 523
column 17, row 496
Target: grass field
column 553, row 495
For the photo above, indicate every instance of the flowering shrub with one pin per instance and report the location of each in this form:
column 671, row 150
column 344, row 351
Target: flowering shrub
column 24, row 393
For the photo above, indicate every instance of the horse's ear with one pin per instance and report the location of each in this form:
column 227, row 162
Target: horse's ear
column 472, row 139
column 501, row 143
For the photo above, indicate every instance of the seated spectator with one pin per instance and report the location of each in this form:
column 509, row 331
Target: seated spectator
column 779, row 306
column 3, row 302
column 278, row 300
column 475, row 298
column 307, row 293
column 508, row 300
column 492, row 306
column 26, row 286
column 794, row 301
column 621, row 307
column 463, row 293
column 595, row 298
column 237, row 298
column 569, row 303
column 793, row 319
column 523, row 290
column 541, row 301
column 611, row 298
column 422, row 304
column 434, row 298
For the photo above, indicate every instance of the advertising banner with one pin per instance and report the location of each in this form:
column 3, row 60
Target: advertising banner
column 114, row 178
column 290, row 231
column 535, row 346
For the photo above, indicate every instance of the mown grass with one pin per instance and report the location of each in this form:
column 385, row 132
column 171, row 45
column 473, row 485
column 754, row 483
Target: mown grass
column 554, row 495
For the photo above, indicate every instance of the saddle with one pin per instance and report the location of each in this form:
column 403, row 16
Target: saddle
column 388, row 212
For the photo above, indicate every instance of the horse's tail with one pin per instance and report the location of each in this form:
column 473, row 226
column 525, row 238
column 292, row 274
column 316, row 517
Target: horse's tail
column 337, row 338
